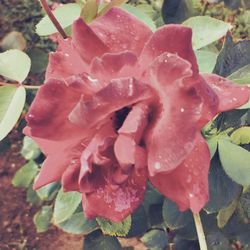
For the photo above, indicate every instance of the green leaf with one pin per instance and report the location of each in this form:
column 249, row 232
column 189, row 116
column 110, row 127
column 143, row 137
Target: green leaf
column 110, row 5
column 39, row 60
column 140, row 15
column 42, row 219
column 241, row 135
column 235, row 161
column 32, row 197
column 25, row 175
column 30, row 150
column 11, row 105
column 155, row 239
column 212, row 143
column 14, row 65
column 206, row 60
column 222, row 190
column 65, row 205
column 173, row 218
column 78, row 224
column 225, row 214
column 232, row 57
column 98, row 241
column 49, row 191
column 241, row 76
column 139, row 222
column 206, row 30
column 115, row 228
column 65, row 14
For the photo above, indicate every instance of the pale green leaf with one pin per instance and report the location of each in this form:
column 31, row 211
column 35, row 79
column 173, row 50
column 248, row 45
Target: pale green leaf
column 241, row 76
column 30, row 149
column 206, row 30
column 206, row 60
column 241, row 135
column 14, row 65
column 140, row 15
column 235, row 161
column 12, row 100
column 115, row 228
column 212, row 144
column 65, row 14
column 65, row 205
column 225, row 214
column 78, row 224
column 25, row 175
column 89, row 11
column 42, row 219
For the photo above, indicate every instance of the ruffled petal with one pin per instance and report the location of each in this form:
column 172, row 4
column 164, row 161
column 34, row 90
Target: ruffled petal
column 48, row 114
column 230, row 95
column 116, row 202
column 65, row 61
column 175, row 39
column 121, row 31
column 115, row 65
column 173, row 130
column 127, row 149
column 86, row 42
column 119, row 93
column 187, row 185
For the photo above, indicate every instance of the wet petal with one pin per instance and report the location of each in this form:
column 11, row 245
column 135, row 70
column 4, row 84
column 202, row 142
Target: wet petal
column 115, row 65
column 187, row 185
column 175, row 39
column 116, row 202
column 65, row 61
column 121, row 31
column 86, row 42
column 230, row 95
column 172, row 134
column 48, row 114
column 117, row 94
column 70, row 177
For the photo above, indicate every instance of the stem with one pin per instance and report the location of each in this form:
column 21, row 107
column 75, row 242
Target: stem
column 205, row 9
column 16, row 84
column 53, row 19
column 200, row 231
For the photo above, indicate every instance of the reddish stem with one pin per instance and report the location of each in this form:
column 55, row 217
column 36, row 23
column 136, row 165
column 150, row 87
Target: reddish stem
column 53, row 19
column 18, row 84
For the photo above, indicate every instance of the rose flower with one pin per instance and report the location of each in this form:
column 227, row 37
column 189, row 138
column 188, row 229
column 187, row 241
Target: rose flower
column 122, row 105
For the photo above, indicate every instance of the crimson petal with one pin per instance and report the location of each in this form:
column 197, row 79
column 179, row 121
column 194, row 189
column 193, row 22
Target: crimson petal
column 172, row 38
column 116, row 202
column 119, row 93
column 65, row 61
column 114, row 65
column 230, row 95
column 47, row 116
column 187, row 185
column 172, row 135
column 86, row 42
column 121, row 31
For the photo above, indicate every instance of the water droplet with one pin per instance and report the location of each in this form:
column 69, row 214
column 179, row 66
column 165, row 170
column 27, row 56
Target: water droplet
column 182, row 110
column 157, row 165
column 189, row 178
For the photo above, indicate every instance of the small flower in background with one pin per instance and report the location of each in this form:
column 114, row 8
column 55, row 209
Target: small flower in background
column 121, row 105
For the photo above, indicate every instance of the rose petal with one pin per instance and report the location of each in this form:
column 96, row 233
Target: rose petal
column 116, row 202
column 117, row 94
column 121, row 31
column 172, row 135
column 115, row 65
column 65, row 61
column 172, row 38
column 86, row 42
column 230, row 95
column 70, row 177
column 47, row 116
column 187, row 185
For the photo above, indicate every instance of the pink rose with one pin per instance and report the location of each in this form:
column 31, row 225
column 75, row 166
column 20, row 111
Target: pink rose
column 122, row 105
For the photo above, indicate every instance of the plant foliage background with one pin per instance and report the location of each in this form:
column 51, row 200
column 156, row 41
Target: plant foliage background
column 157, row 223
